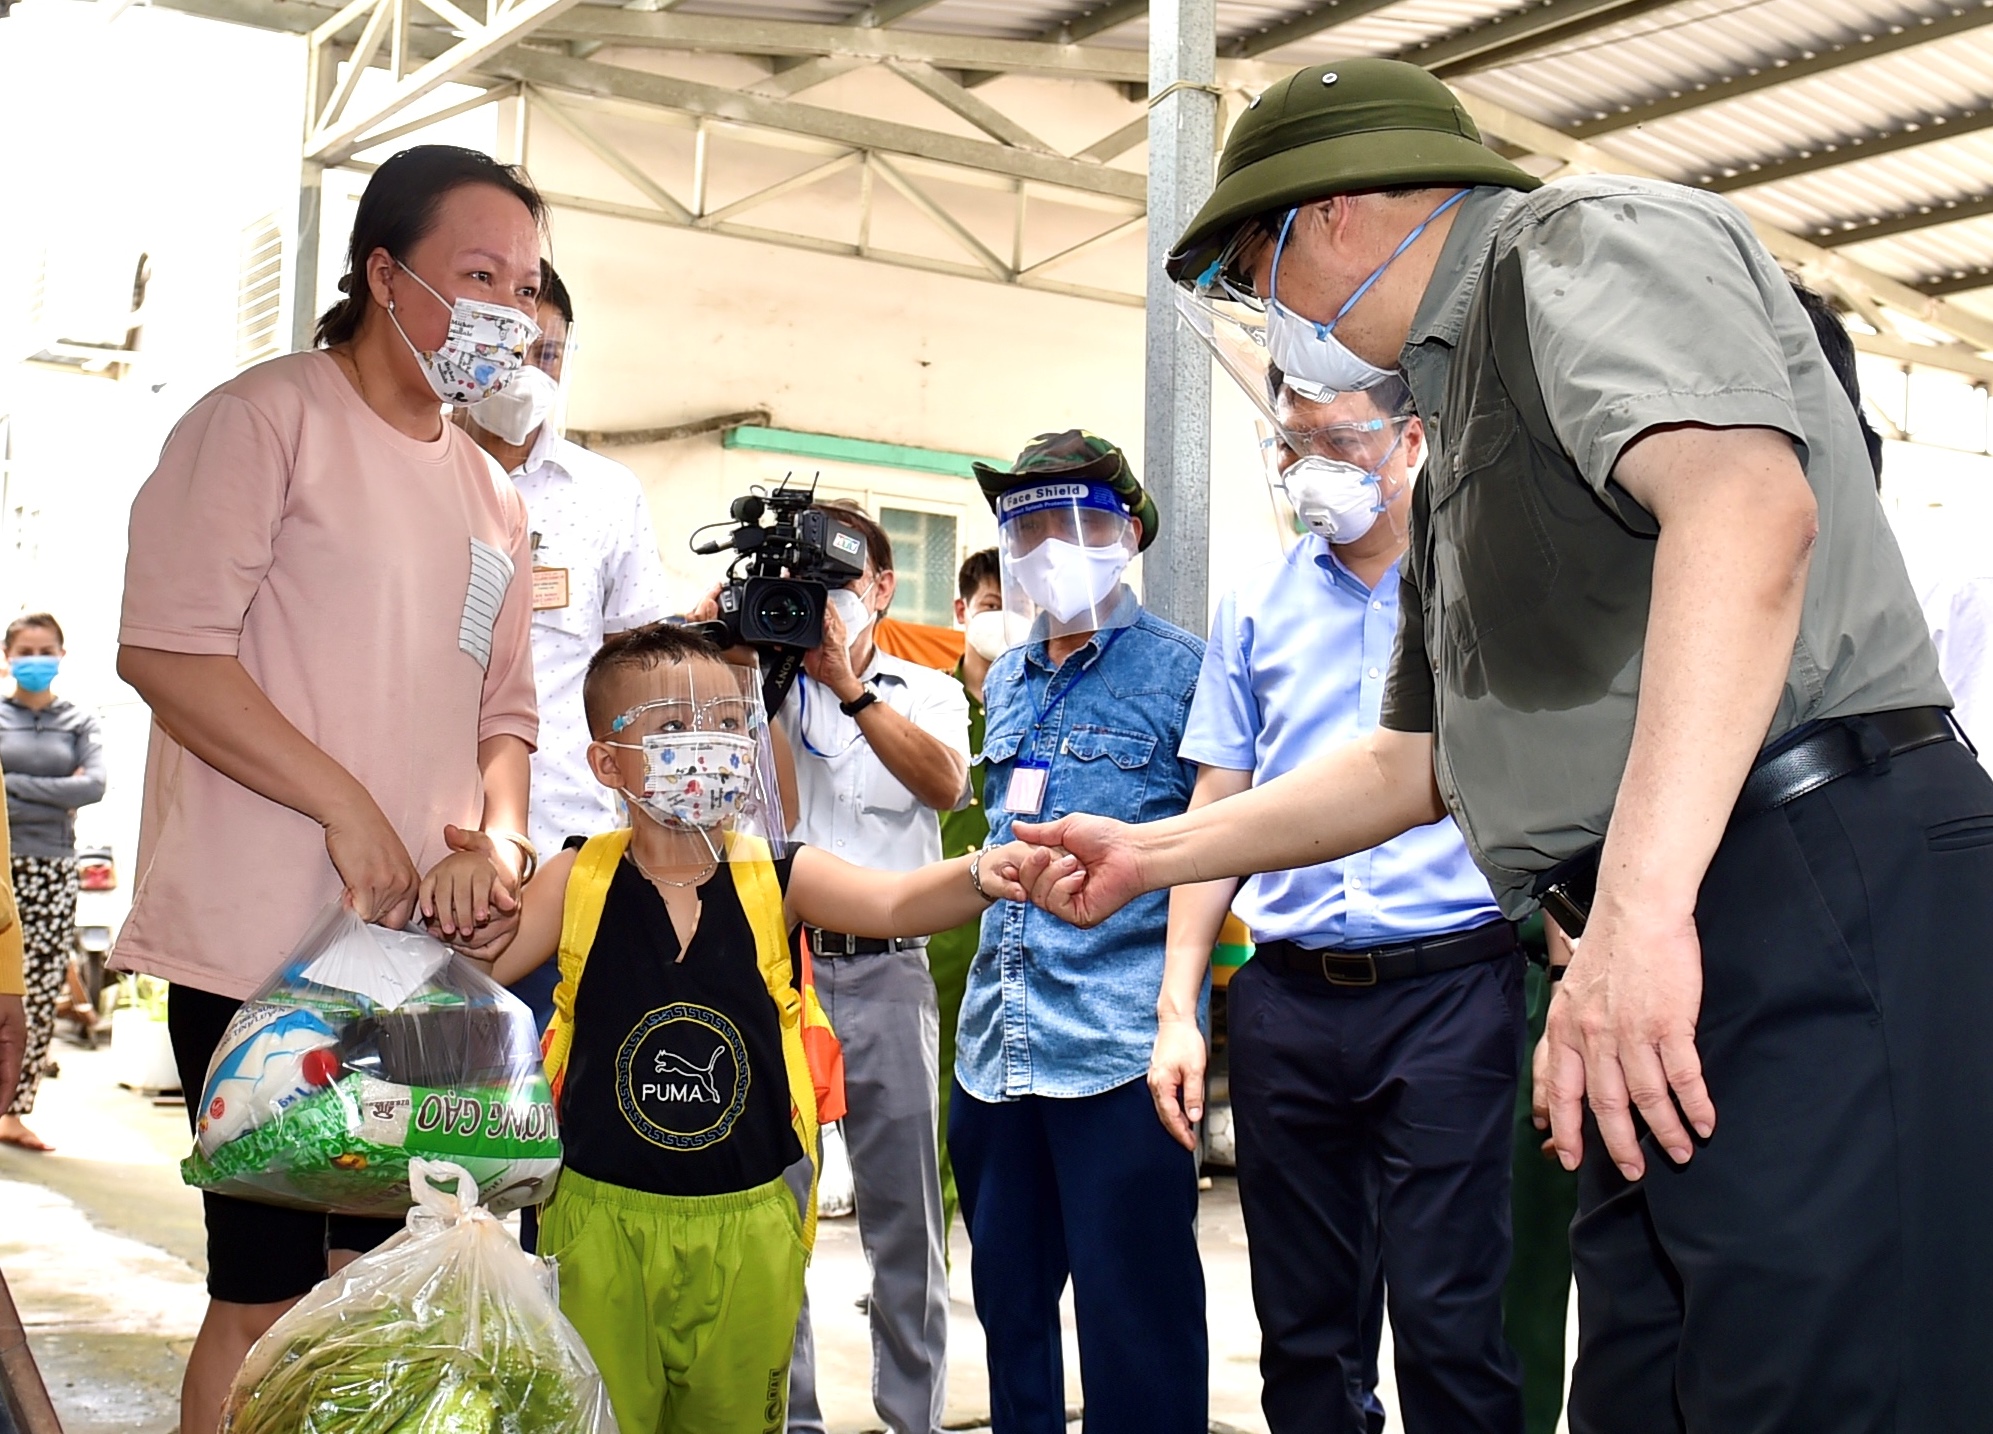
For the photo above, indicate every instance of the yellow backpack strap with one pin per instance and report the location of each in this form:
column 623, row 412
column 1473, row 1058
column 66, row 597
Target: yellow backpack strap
column 581, row 914
column 761, row 898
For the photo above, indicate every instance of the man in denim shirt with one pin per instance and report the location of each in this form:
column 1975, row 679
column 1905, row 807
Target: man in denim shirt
column 1062, row 1167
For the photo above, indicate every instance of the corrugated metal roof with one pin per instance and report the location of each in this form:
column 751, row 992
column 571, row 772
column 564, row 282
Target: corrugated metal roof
column 1889, row 111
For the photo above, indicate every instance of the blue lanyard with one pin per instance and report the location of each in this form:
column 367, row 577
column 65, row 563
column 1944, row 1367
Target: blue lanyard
column 1052, row 704
column 803, row 721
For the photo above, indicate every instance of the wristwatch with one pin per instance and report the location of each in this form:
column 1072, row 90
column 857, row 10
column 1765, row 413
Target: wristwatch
column 859, row 703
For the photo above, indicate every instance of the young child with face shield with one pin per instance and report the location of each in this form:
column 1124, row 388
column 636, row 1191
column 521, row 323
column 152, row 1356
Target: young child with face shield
column 676, row 1053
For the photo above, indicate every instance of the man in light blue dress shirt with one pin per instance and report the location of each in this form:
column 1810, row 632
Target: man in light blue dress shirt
column 1374, row 1036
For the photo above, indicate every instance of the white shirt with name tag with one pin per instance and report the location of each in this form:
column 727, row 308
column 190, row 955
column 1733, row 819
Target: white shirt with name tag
column 852, row 806
column 596, row 570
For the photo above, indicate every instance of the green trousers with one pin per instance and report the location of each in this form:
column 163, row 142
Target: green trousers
column 949, row 956
column 1543, row 1198
column 688, row 1304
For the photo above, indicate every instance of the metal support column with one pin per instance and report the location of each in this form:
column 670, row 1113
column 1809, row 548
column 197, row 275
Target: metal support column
column 1176, row 459
column 304, row 256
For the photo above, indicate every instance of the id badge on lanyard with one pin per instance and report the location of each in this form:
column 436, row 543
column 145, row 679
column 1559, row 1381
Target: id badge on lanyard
column 1025, row 797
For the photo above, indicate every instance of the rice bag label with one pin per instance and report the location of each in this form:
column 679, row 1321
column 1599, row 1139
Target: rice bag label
column 493, row 1122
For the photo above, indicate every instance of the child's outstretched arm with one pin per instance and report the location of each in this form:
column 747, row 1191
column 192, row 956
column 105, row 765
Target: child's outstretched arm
column 539, row 934
column 838, row 896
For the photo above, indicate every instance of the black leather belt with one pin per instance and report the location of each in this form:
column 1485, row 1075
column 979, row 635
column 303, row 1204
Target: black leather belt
column 1393, row 963
column 1803, row 761
column 837, row 943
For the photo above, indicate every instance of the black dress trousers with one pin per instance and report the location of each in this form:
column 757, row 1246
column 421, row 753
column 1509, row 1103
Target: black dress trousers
column 1824, row 1263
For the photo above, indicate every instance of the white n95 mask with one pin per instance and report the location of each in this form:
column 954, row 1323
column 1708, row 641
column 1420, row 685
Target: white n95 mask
column 1067, row 579
column 485, row 346
column 1337, row 500
column 516, row 411
column 988, row 635
column 695, row 780
column 1311, row 352
column 852, row 612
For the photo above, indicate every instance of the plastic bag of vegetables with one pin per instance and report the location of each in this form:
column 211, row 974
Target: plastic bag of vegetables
column 448, row 1328
column 370, row 1048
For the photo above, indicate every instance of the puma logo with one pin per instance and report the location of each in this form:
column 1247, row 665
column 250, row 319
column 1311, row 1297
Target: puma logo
column 671, row 1063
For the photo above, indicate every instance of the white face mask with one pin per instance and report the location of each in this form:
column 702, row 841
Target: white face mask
column 988, row 635
column 485, row 347
column 1311, row 352
column 517, row 410
column 852, row 611
column 1066, row 579
column 1338, row 500
column 694, row 780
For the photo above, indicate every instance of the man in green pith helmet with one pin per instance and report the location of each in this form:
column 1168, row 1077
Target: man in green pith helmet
column 1659, row 658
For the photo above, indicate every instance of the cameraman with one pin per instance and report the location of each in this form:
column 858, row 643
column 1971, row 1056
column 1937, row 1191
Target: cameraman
column 881, row 746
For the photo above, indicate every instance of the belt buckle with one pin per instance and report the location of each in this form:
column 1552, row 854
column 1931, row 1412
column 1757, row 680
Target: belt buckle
column 1369, row 960
column 824, row 947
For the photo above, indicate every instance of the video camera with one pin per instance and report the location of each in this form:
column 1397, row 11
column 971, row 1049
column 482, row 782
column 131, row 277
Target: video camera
column 780, row 579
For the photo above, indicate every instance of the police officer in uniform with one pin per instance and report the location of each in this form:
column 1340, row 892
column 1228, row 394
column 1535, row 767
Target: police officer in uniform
column 1660, row 660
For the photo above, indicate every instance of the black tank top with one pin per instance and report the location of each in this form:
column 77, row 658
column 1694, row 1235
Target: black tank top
column 675, row 1083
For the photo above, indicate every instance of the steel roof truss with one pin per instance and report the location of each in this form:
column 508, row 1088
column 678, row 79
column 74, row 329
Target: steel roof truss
column 1809, row 161
column 1818, row 265
column 1801, row 65
column 334, row 137
column 1909, row 221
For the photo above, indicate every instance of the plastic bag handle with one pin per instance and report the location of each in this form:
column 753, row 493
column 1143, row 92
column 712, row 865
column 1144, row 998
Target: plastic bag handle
column 426, row 1179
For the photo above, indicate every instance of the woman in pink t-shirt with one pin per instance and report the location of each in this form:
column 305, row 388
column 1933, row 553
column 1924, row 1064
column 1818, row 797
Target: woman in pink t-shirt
column 326, row 607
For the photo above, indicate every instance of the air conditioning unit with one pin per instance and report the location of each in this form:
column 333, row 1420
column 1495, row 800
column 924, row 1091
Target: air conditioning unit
column 86, row 308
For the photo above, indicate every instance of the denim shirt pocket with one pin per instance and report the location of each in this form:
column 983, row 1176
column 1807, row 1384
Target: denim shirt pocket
column 999, row 748
column 1109, row 771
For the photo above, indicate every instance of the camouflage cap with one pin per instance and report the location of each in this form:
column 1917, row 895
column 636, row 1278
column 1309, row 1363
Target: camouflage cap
column 1339, row 128
column 1082, row 458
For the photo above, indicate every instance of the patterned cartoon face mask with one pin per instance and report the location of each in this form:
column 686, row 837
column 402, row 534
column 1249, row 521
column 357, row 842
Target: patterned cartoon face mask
column 696, row 780
column 485, row 347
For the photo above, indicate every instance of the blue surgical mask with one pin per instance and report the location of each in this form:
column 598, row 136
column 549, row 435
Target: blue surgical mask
column 33, row 674
column 1311, row 352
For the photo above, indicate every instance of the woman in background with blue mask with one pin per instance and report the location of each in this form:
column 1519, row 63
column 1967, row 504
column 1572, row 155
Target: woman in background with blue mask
column 54, row 762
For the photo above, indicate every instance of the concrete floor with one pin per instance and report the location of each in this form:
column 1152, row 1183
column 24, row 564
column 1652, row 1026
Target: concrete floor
column 103, row 1248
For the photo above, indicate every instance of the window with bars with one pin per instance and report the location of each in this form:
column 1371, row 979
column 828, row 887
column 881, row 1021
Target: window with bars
column 925, row 558
column 259, row 294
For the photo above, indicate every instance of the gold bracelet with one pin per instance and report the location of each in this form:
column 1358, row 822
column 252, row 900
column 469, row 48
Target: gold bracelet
column 526, row 849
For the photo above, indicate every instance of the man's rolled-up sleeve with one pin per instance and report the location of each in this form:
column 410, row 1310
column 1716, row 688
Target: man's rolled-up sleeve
column 1649, row 309
column 1408, row 693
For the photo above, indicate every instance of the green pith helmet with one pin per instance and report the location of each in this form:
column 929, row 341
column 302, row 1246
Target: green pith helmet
column 1080, row 458
column 1340, row 128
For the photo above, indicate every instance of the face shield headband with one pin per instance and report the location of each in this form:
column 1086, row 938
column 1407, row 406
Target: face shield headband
column 1063, row 548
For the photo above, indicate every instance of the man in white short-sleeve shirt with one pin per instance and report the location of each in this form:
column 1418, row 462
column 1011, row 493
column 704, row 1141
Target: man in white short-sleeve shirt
column 881, row 746
column 596, row 572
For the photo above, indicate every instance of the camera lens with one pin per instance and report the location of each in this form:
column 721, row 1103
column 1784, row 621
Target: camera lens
column 784, row 613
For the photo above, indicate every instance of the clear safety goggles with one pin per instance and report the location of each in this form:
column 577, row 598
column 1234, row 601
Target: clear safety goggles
column 1361, row 443
column 672, row 716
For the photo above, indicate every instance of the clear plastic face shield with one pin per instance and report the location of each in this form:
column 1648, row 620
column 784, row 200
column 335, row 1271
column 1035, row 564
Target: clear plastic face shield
column 1344, row 468
column 536, row 396
column 1062, row 548
column 1263, row 344
column 695, row 757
